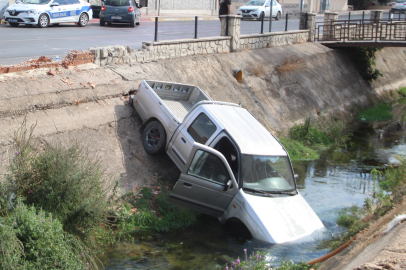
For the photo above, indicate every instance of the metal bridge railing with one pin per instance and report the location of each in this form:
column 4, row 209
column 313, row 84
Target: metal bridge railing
column 362, row 30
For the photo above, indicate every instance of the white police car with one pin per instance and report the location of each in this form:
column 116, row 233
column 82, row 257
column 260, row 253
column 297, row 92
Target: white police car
column 45, row 12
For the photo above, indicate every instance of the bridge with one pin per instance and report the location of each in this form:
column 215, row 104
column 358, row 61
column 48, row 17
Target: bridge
column 374, row 31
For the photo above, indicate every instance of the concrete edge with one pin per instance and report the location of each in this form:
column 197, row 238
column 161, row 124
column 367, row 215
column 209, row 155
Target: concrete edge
column 180, row 19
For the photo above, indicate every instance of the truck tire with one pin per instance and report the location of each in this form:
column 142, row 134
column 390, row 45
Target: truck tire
column 154, row 138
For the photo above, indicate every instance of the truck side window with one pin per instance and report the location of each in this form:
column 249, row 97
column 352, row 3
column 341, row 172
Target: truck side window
column 209, row 167
column 201, row 129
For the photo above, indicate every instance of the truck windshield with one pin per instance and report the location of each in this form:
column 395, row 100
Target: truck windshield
column 272, row 174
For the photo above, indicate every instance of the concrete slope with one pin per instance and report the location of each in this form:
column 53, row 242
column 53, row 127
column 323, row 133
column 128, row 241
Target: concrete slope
column 281, row 86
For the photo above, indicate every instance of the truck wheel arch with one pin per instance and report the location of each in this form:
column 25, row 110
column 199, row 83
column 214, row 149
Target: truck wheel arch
column 154, row 137
column 237, row 225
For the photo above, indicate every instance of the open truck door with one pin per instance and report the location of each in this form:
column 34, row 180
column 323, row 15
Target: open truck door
column 206, row 184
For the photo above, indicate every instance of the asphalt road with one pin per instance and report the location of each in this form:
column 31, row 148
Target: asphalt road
column 22, row 43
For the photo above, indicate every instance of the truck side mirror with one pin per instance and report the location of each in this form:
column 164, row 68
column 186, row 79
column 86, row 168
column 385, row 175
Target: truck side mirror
column 228, row 185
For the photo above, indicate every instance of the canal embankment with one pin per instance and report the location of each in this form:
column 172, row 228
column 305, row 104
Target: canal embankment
column 281, row 86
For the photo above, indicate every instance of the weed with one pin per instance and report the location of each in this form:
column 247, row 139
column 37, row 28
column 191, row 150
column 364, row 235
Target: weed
column 147, row 208
column 34, row 239
column 258, row 69
column 256, row 261
column 392, row 188
column 379, row 113
column 321, row 131
column 297, row 151
column 394, row 177
column 63, row 181
column 364, row 60
column 348, row 217
column 402, row 91
column 289, row 64
column 294, row 266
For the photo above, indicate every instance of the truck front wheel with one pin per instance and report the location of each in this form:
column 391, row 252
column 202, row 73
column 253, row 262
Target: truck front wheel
column 154, row 138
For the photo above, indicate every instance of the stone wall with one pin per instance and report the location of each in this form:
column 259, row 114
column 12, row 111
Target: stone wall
column 276, row 39
column 154, row 51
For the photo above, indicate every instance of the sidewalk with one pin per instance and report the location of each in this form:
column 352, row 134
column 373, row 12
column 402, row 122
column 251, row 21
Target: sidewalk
column 172, row 17
column 177, row 17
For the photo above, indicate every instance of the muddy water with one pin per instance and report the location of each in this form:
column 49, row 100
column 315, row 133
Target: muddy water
column 337, row 180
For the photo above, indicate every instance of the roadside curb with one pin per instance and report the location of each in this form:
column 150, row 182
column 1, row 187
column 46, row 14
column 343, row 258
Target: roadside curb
column 180, row 19
column 152, row 19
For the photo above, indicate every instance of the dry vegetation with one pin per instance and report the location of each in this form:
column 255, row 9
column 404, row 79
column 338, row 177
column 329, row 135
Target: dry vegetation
column 289, row 64
column 257, row 70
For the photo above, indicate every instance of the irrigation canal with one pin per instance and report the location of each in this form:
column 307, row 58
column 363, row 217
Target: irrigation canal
column 339, row 179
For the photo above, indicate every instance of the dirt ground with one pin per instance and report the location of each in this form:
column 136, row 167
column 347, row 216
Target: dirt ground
column 89, row 105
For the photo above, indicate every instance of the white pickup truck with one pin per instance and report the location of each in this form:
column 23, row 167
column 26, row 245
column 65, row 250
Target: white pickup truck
column 231, row 166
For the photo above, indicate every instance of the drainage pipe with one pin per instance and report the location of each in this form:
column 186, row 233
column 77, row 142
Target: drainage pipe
column 331, row 254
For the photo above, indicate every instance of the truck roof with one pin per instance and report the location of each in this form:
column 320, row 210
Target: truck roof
column 250, row 135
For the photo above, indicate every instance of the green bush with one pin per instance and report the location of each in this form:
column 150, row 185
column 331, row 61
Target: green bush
column 33, row 239
column 321, row 132
column 394, row 177
column 297, row 151
column 63, row 181
column 364, row 60
column 379, row 113
column 349, row 217
column 145, row 209
column 402, row 91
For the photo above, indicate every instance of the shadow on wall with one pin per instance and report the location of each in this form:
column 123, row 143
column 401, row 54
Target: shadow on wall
column 140, row 168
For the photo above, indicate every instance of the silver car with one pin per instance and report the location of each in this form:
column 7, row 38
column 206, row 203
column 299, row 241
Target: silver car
column 399, row 5
column 120, row 11
column 256, row 9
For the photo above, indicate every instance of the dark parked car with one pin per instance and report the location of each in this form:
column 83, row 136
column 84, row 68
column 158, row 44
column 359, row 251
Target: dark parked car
column 120, row 11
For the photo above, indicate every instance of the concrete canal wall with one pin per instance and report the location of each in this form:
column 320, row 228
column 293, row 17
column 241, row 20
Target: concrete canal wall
column 281, row 86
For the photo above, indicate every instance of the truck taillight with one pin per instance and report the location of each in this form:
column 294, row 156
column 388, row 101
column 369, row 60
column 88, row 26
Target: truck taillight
column 130, row 9
column 103, row 8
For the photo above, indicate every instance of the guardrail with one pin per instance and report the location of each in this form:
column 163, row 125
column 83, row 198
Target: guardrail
column 289, row 21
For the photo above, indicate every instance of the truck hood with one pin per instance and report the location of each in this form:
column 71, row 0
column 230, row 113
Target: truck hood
column 281, row 218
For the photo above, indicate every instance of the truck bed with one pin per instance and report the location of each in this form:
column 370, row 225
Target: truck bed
column 179, row 98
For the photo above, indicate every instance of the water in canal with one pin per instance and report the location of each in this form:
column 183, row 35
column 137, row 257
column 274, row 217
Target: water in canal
column 337, row 180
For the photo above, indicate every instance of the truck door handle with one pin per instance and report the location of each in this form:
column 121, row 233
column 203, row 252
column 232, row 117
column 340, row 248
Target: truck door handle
column 187, row 185
column 183, row 140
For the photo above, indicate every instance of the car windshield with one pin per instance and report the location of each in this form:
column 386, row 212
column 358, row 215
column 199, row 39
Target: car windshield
column 118, row 3
column 37, row 2
column 272, row 174
column 255, row 3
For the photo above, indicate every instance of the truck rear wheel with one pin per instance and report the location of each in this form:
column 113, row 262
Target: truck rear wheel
column 154, row 138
